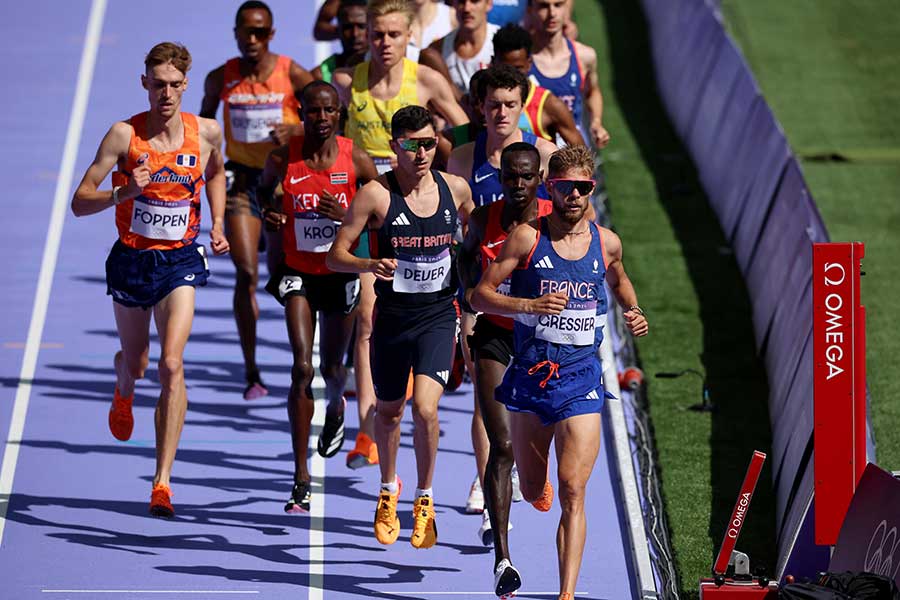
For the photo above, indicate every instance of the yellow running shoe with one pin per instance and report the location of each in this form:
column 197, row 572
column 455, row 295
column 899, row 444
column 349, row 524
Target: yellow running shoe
column 387, row 523
column 545, row 502
column 424, row 533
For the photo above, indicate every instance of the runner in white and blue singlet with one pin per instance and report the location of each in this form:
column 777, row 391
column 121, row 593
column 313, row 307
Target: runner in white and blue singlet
column 553, row 387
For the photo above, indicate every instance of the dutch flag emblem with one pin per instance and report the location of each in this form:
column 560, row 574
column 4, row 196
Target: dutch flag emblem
column 186, row 160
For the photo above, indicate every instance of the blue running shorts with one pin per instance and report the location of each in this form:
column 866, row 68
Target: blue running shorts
column 141, row 278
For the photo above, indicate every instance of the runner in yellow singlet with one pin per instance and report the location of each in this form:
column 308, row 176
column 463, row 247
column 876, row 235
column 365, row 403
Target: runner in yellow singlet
column 372, row 92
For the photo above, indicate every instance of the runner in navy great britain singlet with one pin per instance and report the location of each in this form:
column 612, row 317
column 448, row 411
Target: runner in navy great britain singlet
column 412, row 213
column 553, row 388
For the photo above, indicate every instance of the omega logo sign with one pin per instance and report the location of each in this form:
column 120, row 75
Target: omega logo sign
column 834, row 330
column 880, row 552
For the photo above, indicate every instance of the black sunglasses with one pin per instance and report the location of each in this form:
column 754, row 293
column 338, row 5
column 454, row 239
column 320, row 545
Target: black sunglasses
column 567, row 186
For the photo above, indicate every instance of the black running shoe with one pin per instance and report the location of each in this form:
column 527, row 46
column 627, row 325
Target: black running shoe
column 506, row 580
column 299, row 501
column 332, row 437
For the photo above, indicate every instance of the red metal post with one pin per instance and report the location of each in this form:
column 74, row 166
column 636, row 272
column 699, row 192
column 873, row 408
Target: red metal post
column 740, row 512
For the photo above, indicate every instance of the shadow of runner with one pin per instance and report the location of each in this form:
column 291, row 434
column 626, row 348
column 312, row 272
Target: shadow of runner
column 735, row 375
column 347, row 584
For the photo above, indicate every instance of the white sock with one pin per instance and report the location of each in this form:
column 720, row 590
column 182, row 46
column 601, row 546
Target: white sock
column 420, row 492
column 392, row 487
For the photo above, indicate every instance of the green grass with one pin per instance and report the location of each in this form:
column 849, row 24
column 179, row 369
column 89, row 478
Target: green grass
column 829, row 70
column 689, row 284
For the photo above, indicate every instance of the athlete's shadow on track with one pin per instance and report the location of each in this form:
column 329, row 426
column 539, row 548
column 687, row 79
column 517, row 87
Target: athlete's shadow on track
column 348, row 584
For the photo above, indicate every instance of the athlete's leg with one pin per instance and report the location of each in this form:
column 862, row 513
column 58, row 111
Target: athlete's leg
column 497, row 485
column 388, row 414
column 479, row 438
column 531, row 447
column 577, row 446
column 333, row 341
column 426, row 394
column 365, row 391
column 133, row 325
column 301, row 329
column 174, row 315
column 243, row 230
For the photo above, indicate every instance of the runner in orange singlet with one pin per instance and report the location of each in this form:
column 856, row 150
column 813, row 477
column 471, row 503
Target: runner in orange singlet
column 258, row 91
column 163, row 157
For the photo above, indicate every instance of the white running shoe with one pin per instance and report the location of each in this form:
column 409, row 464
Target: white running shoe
column 516, row 490
column 506, row 580
column 475, row 502
column 485, row 532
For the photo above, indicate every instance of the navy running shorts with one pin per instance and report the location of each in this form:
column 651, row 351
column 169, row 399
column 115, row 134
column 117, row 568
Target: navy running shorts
column 421, row 339
column 489, row 340
column 141, row 278
column 577, row 391
column 241, row 197
column 329, row 293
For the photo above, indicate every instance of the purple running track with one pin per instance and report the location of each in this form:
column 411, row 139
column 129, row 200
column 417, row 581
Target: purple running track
column 76, row 521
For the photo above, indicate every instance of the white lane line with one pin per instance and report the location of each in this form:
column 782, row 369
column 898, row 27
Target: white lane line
column 207, row 592
column 51, row 252
column 317, row 507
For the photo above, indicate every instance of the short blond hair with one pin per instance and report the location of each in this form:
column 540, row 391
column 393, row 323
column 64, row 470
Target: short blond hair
column 380, row 8
column 571, row 158
column 169, row 52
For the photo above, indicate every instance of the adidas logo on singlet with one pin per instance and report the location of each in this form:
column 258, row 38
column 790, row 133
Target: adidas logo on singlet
column 593, row 395
column 544, row 263
column 444, row 375
column 401, row 219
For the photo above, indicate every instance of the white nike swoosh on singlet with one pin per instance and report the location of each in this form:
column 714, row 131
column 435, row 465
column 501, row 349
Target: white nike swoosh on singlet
column 492, row 244
column 299, row 179
column 482, row 178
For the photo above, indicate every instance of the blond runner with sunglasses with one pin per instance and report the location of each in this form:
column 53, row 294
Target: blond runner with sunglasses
column 557, row 266
column 412, row 213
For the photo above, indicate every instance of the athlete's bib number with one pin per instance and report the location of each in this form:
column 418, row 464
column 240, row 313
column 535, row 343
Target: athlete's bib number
column 422, row 274
column 251, row 123
column 574, row 325
column 314, row 232
column 160, row 220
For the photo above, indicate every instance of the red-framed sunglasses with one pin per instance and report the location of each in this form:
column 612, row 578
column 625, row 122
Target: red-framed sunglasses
column 567, row 186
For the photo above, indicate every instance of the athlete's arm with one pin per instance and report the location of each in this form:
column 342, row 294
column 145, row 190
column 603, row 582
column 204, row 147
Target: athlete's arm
column 267, row 190
column 593, row 97
column 364, row 166
column 432, row 57
column 325, row 28
column 87, row 199
column 369, row 204
column 460, row 161
column 620, row 284
column 515, row 252
column 468, row 263
column 214, row 173
column 283, row 132
column 546, row 149
column 342, row 80
column 212, row 89
column 559, row 121
column 436, row 91
column 462, row 196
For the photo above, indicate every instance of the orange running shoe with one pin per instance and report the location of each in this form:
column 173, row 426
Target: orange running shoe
column 121, row 421
column 161, row 502
column 364, row 453
column 544, row 503
column 424, row 533
column 387, row 523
